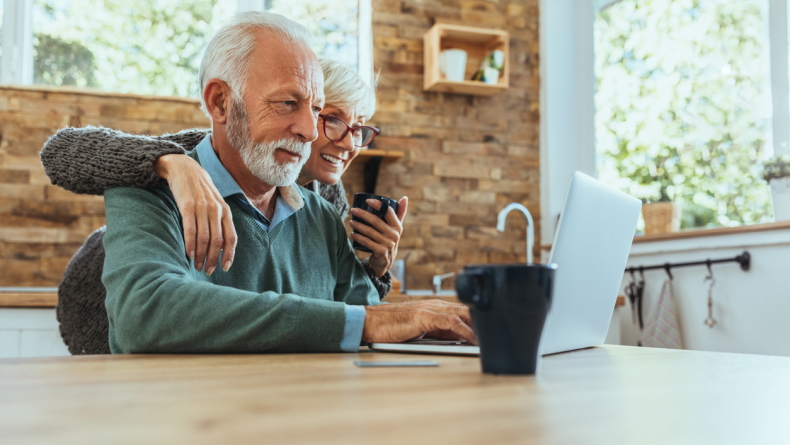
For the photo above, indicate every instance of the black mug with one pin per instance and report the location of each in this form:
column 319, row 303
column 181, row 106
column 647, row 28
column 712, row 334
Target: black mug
column 509, row 304
column 360, row 202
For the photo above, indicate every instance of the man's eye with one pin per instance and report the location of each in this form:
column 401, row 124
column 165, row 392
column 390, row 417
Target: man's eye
column 290, row 103
column 317, row 110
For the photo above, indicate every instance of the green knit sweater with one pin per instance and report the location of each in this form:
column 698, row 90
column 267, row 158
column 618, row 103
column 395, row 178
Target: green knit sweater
column 286, row 291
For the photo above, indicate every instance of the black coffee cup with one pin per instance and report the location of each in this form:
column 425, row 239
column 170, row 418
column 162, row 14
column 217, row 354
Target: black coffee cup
column 360, row 202
column 509, row 304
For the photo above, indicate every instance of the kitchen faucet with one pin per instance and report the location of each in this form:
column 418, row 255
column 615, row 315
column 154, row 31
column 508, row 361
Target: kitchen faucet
column 500, row 225
column 437, row 281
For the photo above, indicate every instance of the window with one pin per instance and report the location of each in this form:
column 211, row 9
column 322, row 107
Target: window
column 684, row 105
column 130, row 46
column 333, row 23
column 1, row 33
column 143, row 47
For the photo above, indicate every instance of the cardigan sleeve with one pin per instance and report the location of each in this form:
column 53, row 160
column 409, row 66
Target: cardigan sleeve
column 93, row 159
column 382, row 284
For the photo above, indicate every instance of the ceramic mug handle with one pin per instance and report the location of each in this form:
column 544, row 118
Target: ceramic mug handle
column 471, row 287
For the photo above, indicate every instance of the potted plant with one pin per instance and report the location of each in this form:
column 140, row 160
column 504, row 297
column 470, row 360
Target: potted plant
column 661, row 215
column 776, row 172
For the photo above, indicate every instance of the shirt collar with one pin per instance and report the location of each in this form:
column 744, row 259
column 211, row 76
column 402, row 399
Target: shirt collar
column 227, row 186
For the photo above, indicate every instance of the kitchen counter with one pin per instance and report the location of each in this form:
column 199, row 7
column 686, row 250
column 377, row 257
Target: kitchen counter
column 30, row 297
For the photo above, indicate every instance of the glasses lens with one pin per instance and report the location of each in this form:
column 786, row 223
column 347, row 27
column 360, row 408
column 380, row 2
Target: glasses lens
column 334, row 128
column 363, row 136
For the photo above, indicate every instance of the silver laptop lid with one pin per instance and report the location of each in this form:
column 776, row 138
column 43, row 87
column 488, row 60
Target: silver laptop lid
column 591, row 247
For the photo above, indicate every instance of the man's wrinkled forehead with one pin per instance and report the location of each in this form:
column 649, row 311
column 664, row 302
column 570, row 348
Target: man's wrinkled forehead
column 310, row 78
column 292, row 62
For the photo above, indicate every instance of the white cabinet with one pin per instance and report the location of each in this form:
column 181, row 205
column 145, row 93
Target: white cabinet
column 30, row 333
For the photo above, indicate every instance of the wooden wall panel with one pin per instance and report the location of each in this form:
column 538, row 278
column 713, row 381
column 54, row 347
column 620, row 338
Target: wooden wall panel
column 41, row 225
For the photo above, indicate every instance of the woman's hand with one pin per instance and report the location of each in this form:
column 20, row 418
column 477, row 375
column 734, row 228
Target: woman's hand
column 206, row 218
column 382, row 238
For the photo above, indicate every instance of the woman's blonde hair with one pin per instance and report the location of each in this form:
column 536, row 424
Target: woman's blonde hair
column 343, row 87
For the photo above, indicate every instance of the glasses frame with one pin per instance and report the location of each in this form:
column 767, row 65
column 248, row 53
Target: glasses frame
column 349, row 128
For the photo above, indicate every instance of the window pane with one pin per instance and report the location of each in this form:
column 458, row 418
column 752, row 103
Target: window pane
column 683, row 109
column 333, row 24
column 130, row 46
column 1, row 31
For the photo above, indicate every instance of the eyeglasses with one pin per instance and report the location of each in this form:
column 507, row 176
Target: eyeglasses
column 335, row 129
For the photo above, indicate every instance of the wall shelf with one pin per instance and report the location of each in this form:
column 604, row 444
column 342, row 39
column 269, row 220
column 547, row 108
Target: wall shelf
column 372, row 159
column 375, row 152
column 478, row 43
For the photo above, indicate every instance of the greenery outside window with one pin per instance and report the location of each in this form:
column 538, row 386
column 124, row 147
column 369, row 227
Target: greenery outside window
column 683, row 106
column 129, row 46
column 155, row 48
column 333, row 23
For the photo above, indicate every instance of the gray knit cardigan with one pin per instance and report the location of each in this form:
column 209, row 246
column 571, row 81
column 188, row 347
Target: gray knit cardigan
column 92, row 159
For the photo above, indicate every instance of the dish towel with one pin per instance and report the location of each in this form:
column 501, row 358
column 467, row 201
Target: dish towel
column 662, row 329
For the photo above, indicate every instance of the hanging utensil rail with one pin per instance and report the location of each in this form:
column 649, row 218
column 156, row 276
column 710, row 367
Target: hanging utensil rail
column 744, row 259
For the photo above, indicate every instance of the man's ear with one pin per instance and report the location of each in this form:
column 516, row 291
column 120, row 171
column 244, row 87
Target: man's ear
column 218, row 99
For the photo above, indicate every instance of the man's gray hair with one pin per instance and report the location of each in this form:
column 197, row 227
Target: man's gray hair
column 227, row 56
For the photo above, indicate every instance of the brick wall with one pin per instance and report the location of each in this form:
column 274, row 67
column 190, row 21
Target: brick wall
column 466, row 156
column 41, row 225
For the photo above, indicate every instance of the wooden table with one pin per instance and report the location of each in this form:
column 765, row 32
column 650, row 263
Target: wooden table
column 400, row 298
column 607, row 395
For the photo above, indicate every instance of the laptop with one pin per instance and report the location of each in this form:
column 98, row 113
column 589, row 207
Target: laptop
column 591, row 247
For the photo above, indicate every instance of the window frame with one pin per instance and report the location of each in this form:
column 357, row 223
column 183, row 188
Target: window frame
column 16, row 64
column 567, row 97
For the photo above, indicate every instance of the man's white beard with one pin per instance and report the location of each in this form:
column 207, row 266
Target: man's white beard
column 259, row 158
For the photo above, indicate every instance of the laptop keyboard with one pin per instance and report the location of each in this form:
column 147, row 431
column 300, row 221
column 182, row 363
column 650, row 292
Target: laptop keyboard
column 440, row 342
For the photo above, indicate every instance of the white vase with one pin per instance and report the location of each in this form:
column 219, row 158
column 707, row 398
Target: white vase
column 490, row 75
column 780, row 195
column 453, row 64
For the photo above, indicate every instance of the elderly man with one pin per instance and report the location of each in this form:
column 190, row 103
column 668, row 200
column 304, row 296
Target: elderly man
column 296, row 284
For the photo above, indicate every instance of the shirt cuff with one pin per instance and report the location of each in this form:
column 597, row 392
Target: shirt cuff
column 352, row 331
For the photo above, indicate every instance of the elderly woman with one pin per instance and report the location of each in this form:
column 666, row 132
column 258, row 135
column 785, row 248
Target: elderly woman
column 90, row 160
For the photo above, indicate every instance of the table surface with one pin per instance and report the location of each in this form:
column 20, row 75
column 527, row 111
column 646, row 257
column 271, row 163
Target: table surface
column 606, row 395
column 10, row 299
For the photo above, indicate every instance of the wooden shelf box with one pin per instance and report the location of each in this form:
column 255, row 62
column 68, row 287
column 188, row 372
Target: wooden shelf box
column 478, row 43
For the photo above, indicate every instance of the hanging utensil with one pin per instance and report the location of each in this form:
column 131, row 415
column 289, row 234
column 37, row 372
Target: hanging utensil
column 640, row 292
column 710, row 282
column 630, row 292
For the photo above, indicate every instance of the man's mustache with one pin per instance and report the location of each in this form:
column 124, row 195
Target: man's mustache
column 294, row 145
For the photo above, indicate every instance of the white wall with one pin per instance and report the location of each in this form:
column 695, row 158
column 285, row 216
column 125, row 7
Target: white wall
column 30, row 333
column 567, row 132
column 752, row 309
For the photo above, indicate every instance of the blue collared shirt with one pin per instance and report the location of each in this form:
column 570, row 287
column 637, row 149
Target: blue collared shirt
column 289, row 200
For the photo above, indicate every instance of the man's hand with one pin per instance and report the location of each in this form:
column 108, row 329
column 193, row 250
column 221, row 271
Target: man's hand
column 383, row 238
column 397, row 322
column 207, row 221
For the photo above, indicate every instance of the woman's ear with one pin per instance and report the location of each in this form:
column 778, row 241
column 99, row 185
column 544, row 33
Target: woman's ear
column 218, row 100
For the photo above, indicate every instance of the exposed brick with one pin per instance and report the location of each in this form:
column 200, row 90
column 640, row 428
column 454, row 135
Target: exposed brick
column 14, row 176
column 41, row 226
column 447, row 232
